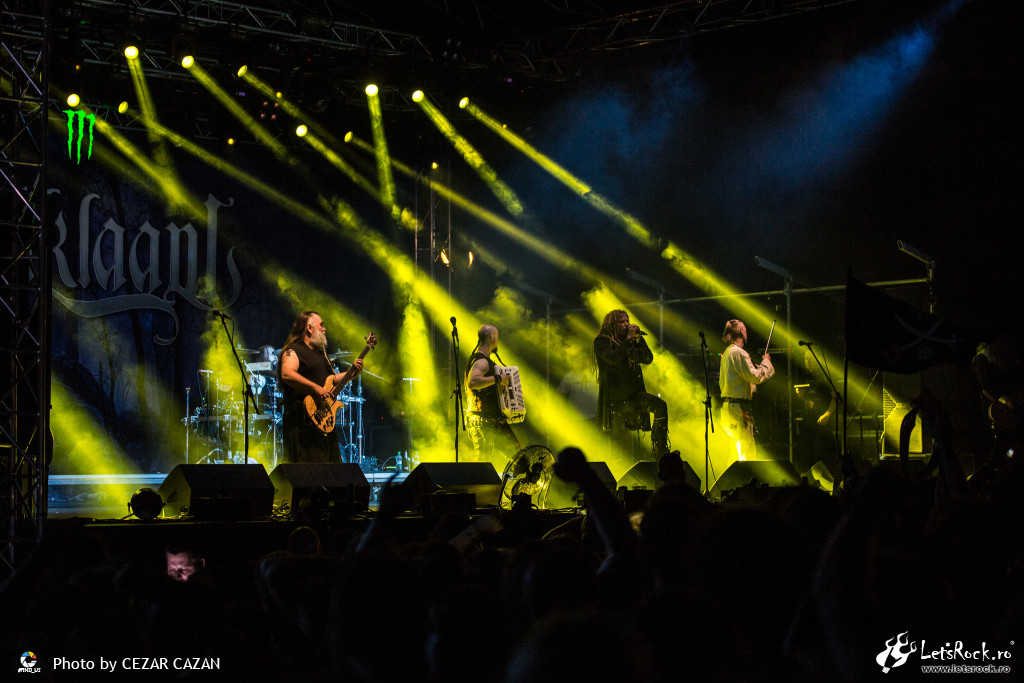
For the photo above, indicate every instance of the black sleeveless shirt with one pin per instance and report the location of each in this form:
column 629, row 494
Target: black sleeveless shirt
column 314, row 366
column 484, row 402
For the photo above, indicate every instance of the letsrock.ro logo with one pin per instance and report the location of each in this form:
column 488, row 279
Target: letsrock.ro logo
column 893, row 655
column 80, row 117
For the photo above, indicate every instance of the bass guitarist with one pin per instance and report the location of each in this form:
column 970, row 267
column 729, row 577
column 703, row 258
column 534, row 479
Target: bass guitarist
column 305, row 370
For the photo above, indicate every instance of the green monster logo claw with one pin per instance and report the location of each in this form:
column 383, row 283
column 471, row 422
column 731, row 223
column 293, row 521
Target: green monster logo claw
column 81, row 116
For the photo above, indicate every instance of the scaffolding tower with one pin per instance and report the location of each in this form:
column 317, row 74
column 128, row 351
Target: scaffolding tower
column 24, row 278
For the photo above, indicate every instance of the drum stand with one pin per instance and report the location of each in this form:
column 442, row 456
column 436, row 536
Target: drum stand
column 273, row 423
column 352, row 447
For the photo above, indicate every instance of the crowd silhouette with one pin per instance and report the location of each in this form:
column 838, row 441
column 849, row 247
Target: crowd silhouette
column 798, row 585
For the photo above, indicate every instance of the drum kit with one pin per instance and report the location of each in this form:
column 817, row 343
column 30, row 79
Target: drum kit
column 215, row 428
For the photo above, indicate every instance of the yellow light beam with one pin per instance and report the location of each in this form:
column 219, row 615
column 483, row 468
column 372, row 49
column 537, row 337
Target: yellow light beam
column 251, row 124
column 475, row 160
column 88, row 446
column 160, row 153
column 578, row 187
column 380, row 142
column 361, row 181
column 298, row 209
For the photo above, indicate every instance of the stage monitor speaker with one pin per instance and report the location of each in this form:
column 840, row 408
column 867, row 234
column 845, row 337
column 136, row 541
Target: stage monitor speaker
column 478, row 478
column 754, row 473
column 644, row 474
column 563, row 494
column 320, row 487
column 218, row 492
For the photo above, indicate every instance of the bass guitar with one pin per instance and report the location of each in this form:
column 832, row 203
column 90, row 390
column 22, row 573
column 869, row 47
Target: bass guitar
column 321, row 410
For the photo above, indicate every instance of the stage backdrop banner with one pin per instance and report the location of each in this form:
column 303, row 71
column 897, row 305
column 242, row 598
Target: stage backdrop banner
column 143, row 372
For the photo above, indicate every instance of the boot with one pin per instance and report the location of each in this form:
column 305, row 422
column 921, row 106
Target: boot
column 659, row 437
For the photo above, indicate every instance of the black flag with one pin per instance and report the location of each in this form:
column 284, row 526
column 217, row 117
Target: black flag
column 886, row 334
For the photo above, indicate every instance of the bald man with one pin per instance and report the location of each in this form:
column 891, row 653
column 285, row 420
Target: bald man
column 492, row 438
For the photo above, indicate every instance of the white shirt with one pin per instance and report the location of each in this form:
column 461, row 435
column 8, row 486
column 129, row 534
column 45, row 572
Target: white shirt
column 737, row 374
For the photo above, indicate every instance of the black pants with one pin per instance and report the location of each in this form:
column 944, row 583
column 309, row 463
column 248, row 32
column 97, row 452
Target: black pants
column 636, row 410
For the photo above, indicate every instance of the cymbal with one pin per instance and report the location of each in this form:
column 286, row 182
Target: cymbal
column 241, row 350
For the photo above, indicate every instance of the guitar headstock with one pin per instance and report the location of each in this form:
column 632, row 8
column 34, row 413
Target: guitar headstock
column 371, row 341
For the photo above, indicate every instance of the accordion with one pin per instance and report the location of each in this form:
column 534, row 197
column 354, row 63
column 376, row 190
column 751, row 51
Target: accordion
column 510, row 397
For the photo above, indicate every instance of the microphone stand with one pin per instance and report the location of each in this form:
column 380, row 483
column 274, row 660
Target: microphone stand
column 709, row 419
column 247, row 394
column 835, row 395
column 460, row 416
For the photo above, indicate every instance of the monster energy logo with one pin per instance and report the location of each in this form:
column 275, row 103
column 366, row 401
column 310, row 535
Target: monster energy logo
column 81, row 116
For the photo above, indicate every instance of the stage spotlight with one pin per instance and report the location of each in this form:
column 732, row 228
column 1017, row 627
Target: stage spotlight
column 231, row 141
column 187, row 61
column 73, row 100
column 146, row 504
column 444, row 258
column 371, row 90
column 433, row 165
column 301, row 130
column 123, row 107
column 241, row 70
column 348, row 136
column 417, row 96
column 131, row 52
column 470, row 259
column 463, row 103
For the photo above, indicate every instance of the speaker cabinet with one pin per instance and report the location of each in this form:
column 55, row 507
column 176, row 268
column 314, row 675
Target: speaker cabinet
column 755, row 473
column 563, row 494
column 478, row 478
column 644, row 474
column 218, row 492
column 320, row 487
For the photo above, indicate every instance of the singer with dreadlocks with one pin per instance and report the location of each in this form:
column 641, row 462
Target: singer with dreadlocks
column 619, row 351
column 489, row 431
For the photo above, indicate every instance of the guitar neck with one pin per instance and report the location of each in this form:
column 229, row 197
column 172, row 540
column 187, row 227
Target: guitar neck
column 347, row 377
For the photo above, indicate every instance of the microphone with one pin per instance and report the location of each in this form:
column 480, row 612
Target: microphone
column 641, row 332
column 805, row 343
column 220, row 314
column 455, row 330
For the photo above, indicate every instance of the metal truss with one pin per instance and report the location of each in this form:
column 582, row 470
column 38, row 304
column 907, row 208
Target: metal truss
column 557, row 54
column 24, row 279
column 276, row 32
